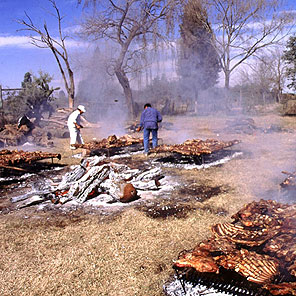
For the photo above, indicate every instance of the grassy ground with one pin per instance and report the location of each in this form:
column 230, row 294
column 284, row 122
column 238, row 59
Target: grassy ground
column 130, row 253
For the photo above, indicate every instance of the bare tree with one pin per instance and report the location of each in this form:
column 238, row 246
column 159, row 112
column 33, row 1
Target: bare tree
column 57, row 46
column 134, row 25
column 243, row 28
column 265, row 77
column 278, row 68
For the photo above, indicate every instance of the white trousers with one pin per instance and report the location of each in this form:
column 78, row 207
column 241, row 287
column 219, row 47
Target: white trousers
column 75, row 136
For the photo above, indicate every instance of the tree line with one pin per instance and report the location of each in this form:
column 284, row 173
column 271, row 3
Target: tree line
column 211, row 36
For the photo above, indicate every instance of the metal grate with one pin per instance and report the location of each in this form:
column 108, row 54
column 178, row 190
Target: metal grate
column 226, row 281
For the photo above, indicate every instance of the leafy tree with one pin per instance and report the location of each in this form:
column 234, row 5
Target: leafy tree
column 290, row 60
column 34, row 99
column 198, row 61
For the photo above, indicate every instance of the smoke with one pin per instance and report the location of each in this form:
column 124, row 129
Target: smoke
column 101, row 93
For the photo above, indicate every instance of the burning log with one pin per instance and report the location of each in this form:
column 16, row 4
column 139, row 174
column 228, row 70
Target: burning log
column 195, row 147
column 259, row 245
column 95, row 177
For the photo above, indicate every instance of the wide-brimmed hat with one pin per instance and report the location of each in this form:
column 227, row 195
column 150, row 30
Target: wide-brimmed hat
column 81, row 108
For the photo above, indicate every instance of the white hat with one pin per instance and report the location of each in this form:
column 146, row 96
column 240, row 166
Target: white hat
column 81, row 108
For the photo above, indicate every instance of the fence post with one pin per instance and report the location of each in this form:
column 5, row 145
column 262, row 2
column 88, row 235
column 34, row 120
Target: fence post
column 1, row 98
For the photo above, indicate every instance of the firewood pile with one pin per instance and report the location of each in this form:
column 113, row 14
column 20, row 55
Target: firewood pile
column 11, row 135
column 42, row 134
column 259, row 245
column 195, row 147
column 111, row 142
column 96, row 178
column 19, row 157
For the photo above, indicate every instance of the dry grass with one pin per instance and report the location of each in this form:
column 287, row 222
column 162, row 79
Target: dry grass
column 130, row 253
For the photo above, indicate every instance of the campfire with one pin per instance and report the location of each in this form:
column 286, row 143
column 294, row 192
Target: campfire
column 95, row 178
column 98, row 177
column 255, row 252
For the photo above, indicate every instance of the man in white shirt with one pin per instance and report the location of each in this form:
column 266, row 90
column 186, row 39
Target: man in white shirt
column 74, row 126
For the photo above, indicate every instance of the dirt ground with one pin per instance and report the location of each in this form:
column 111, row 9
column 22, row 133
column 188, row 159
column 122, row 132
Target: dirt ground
column 131, row 251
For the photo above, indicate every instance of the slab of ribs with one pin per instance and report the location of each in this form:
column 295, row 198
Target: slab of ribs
column 259, row 244
column 16, row 157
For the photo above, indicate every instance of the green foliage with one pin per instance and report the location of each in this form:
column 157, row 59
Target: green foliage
column 34, row 98
column 290, row 59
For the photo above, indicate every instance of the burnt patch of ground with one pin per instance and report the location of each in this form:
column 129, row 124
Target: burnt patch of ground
column 218, row 211
column 201, row 192
column 21, row 169
column 163, row 211
column 178, row 210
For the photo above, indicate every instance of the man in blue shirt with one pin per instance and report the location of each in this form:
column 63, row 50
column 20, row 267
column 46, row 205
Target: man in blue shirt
column 149, row 122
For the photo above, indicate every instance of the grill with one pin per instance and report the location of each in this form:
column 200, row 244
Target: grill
column 203, row 159
column 253, row 255
column 226, row 281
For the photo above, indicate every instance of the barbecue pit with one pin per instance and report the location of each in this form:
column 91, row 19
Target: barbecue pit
column 253, row 255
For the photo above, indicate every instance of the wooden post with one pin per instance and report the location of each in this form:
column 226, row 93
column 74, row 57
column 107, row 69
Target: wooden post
column 1, row 98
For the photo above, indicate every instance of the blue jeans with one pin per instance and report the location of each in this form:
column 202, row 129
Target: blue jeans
column 146, row 138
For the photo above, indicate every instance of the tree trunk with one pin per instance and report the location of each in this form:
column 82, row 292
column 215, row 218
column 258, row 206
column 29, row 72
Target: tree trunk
column 123, row 80
column 71, row 100
column 227, row 79
column 227, row 82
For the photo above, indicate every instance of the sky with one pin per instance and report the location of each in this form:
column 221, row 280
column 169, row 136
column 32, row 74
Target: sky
column 17, row 56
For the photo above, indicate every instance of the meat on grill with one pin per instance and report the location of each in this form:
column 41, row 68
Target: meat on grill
column 195, row 147
column 14, row 157
column 282, row 288
column 259, row 245
column 215, row 245
column 255, row 267
column 111, row 142
column 201, row 263
column 240, row 235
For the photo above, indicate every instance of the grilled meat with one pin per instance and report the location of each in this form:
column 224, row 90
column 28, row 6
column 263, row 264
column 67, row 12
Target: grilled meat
column 240, row 235
column 204, row 263
column 255, row 267
column 259, row 245
column 195, row 147
column 14, row 157
column 216, row 245
column 286, row 288
column 111, row 142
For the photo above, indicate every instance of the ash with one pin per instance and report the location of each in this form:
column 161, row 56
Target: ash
column 175, row 288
